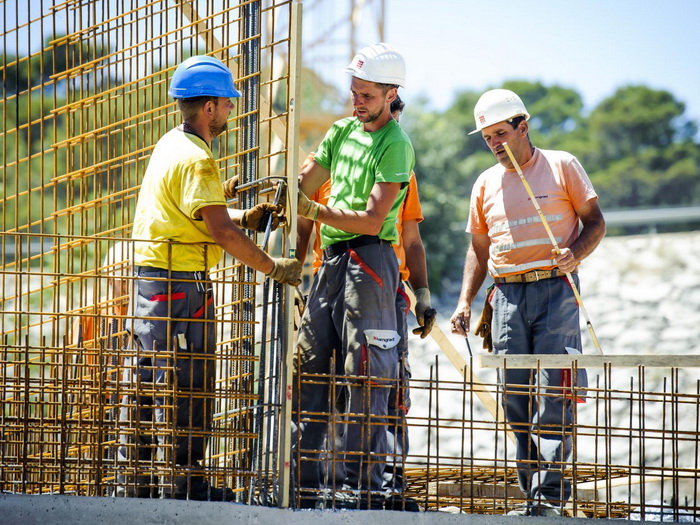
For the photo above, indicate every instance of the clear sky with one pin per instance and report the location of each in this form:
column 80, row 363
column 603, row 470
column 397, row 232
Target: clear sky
column 592, row 46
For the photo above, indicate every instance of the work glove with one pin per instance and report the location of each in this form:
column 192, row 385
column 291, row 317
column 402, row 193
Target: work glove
column 229, row 186
column 300, row 305
column 257, row 217
column 425, row 314
column 286, row 271
column 483, row 326
column 307, row 208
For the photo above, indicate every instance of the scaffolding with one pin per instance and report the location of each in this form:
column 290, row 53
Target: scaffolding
column 84, row 101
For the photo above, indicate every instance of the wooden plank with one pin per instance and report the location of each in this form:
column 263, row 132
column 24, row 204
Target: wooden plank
column 466, row 489
column 590, row 361
column 466, row 372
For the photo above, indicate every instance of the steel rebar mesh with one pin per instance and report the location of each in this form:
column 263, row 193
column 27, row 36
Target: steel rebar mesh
column 632, row 448
column 84, row 101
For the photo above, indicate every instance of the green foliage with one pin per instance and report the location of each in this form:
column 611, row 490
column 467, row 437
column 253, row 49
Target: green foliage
column 634, row 119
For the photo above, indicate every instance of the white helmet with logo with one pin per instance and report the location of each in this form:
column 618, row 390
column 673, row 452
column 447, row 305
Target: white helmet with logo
column 379, row 63
column 497, row 105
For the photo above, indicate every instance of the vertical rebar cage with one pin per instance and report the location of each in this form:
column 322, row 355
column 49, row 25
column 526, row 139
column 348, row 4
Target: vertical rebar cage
column 83, row 102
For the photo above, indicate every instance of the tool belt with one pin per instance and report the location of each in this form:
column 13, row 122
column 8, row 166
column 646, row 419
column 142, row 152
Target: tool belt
column 531, row 276
column 339, row 248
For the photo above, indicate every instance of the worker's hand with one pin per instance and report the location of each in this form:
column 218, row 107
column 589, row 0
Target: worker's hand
column 229, row 186
column 565, row 259
column 300, row 301
column 425, row 314
column 307, row 208
column 459, row 322
column 259, row 215
column 286, row 271
column 300, row 305
column 483, row 326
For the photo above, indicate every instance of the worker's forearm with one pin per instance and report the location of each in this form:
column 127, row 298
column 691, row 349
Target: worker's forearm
column 366, row 222
column 418, row 270
column 240, row 246
column 304, row 230
column 475, row 271
column 590, row 236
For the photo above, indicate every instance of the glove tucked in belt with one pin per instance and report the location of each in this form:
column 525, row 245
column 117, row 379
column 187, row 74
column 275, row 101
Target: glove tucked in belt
column 483, row 326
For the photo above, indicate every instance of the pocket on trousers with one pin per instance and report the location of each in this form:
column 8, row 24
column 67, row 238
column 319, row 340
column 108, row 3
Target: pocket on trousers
column 380, row 359
column 562, row 311
column 581, row 380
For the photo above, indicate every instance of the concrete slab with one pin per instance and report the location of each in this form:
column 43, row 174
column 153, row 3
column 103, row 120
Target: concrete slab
column 72, row 510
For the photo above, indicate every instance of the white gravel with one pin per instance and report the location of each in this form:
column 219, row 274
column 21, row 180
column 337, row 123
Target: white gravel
column 642, row 294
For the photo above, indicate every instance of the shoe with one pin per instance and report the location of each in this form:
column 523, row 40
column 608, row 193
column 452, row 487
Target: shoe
column 541, row 510
column 401, row 503
column 205, row 492
column 545, row 511
column 351, row 501
column 520, row 511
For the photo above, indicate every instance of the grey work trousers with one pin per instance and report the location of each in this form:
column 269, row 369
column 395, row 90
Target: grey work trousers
column 175, row 339
column 399, row 403
column 541, row 317
column 350, row 316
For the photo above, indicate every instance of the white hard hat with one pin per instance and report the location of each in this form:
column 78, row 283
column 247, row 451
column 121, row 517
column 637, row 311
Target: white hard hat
column 379, row 63
column 497, row 105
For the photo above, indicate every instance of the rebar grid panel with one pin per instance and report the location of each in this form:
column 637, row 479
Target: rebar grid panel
column 636, row 443
column 84, row 101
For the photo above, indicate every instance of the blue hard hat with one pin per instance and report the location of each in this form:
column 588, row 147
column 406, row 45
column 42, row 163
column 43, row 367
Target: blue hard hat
column 200, row 76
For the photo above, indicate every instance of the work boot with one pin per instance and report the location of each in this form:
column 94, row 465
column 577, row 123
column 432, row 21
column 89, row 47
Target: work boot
column 351, row 500
column 519, row 511
column 401, row 502
column 535, row 510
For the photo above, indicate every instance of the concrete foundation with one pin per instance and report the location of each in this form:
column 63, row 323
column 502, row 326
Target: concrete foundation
column 71, row 510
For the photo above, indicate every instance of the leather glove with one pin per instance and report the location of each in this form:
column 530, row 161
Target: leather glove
column 256, row 218
column 307, row 208
column 229, row 186
column 286, row 271
column 425, row 314
column 300, row 304
column 483, row 327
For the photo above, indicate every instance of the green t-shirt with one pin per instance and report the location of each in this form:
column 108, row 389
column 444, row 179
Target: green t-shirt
column 357, row 160
column 181, row 179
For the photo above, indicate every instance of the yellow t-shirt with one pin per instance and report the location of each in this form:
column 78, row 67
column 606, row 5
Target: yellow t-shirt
column 181, row 179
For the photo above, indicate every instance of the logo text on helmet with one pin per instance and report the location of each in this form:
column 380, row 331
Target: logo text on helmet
column 482, row 118
column 360, row 63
